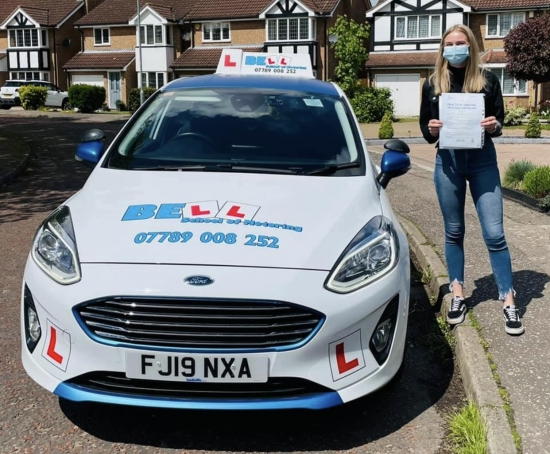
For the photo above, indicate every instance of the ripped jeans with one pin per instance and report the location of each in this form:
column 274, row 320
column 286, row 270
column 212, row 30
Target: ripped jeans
column 479, row 167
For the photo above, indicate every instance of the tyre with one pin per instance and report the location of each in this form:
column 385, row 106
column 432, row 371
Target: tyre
column 5, row 107
column 65, row 104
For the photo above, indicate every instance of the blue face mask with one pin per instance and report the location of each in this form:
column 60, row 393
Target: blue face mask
column 456, row 55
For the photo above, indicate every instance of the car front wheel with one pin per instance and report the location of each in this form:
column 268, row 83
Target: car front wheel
column 65, row 104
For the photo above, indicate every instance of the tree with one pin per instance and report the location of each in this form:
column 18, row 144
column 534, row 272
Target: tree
column 527, row 48
column 350, row 51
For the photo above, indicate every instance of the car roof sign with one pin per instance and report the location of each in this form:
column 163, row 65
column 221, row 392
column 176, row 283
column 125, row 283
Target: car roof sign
column 236, row 61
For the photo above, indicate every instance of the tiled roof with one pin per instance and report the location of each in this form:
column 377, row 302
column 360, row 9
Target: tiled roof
column 230, row 9
column 100, row 60
column 112, row 12
column 238, row 9
column 504, row 4
column 204, row 57
column 2, row 55
column 494, row 56
column 401, row 59
column 45, row 12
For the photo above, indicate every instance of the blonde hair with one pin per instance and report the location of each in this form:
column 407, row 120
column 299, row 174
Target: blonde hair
column 474, row 78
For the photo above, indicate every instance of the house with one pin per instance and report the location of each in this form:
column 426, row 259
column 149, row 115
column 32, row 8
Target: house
column 405, row 35
column 184, row 38
column 38, row 37
column 111, row 56
column 298, row 26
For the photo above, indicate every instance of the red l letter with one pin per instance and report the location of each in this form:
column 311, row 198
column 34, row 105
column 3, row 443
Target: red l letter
column 234, row 211
column 196, row 211
column 51, row 347
column 228, row 62
column 343, row 365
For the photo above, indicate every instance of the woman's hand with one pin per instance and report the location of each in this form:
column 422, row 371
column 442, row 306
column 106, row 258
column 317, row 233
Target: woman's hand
column 490, row 124
column 434, row 126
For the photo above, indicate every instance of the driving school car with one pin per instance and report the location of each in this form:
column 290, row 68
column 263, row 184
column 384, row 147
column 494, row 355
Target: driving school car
column 233, row 248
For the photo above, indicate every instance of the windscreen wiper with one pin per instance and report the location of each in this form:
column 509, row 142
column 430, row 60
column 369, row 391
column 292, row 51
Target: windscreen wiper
column 330, row 169
column 217, row 168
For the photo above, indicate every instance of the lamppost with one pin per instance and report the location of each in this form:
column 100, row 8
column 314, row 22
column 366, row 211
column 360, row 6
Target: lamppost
column 141, row 94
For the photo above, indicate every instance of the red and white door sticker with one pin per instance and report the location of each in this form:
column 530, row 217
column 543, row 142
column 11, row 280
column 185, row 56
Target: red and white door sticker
column 236, row 210
column 57, row 347
column 346, row 356
column 206, row 209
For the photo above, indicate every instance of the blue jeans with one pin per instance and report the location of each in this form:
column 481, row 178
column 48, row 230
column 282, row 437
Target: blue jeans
column 479, row 167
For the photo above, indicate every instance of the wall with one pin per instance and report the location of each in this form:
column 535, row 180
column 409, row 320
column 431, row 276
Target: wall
column 241, row 32
column 121, row 38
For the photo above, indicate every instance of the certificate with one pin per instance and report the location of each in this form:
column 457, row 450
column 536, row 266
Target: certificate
column 461, row 115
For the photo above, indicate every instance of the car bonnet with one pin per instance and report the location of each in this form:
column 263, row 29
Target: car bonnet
column 233, row 219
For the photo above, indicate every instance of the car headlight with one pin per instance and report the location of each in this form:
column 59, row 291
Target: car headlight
column 371, row 254
column 54, row 248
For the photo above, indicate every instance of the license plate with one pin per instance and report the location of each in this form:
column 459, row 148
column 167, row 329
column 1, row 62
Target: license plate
column 7, row 96
column 196, row 368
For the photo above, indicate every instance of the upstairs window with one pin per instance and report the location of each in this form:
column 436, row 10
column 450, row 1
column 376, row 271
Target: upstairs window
column 151, row 35
column 24, row 38
column 499, row 25
column 215, row 31
column 290, row 29
column 415, row 27
column 102, row 36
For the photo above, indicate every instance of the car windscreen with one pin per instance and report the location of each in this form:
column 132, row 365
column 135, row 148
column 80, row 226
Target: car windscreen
column 278, row 130
column 12, row 84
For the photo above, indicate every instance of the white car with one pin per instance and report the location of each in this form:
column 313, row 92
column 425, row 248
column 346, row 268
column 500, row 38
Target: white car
column 233, row 248
column 9, row 94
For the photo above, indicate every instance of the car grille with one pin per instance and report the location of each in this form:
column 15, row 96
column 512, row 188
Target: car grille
column 117, row 382
column 199, row 323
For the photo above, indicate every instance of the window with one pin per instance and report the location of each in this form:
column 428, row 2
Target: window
column 30, row 76
column 414, row 27
column 102, row 36
column 291, row 29
column 153, row 80
column 510, row 86
column 24, row 38
column 215, row 31
column 499, row 25
column 151, row 35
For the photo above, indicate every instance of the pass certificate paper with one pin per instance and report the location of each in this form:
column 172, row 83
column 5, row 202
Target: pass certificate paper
column 461, row 115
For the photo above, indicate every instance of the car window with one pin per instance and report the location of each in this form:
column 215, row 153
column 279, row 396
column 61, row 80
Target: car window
column 12, row 84
column 278, row 129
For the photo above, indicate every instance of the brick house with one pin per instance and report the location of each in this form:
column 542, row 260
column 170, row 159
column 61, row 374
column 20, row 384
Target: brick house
column 183, row 38
column 264, row 26
column 37, row 38
column 405, row 36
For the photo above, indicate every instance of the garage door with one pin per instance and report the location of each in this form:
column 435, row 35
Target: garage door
column 87, row 79
column 405, row 92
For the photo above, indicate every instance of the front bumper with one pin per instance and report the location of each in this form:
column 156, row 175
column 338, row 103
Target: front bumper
column 332, row 367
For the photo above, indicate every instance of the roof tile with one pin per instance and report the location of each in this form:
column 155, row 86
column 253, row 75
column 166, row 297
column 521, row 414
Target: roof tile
column 401, row 59
column 113, row 12
column 45, row 12
column 204, row 57
column 487, row 5
column 100, row 60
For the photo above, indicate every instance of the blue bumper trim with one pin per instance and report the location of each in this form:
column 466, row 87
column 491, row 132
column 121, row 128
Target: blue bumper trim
column 313, row 402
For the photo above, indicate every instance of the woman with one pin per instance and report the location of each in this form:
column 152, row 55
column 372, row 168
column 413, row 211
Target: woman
column 458, row 69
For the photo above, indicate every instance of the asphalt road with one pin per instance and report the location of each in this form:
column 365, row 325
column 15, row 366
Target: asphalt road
column 407, row 417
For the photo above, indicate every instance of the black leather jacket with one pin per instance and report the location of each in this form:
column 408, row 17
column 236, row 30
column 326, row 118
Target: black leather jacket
column 429, row 106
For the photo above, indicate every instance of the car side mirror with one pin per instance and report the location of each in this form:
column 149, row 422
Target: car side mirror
column 395, row 161
column 91, row 147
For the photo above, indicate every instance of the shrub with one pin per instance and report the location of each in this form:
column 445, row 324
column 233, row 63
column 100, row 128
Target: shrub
column 537, row 182
column 134, row 98
column 87, row 98
column 386, row 127
column 515, row 173
column 544, row 203
column 371, row 103
column 533, row 127
column 32, row 97
column 514, row 115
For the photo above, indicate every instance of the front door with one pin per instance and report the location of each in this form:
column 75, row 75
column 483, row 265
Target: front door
column 114, row 89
